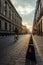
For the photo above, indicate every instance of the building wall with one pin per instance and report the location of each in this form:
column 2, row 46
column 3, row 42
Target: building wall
column 38, row 19
column 9, row 16
column 42, row 25
column 42, row 2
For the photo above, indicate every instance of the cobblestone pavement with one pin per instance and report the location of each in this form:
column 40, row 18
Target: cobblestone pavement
column 38, row 43
column 16, row 53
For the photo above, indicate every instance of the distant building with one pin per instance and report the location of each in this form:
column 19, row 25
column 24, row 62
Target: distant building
column 38, row 18
column 24, row 29
column 9, row 18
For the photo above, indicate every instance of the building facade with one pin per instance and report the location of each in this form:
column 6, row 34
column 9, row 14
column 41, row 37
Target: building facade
column 9, row 18
column 24, row 29
column 38, row 18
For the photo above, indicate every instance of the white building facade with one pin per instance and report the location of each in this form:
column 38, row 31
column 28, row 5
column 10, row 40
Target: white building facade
column 9, row 18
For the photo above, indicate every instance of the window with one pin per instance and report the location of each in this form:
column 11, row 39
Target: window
column 5, row 26
column 12, row 15
column 5, row 8
column 9, row 13
column 13, row 28
column 0, row 24
column 0, row 5
column 10, row 27
column 40, row 5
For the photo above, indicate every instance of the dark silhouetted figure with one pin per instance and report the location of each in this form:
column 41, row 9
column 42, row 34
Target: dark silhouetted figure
column 16, row 33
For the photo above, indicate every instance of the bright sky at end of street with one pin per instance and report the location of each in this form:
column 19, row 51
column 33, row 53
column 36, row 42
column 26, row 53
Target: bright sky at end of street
column 26, row 9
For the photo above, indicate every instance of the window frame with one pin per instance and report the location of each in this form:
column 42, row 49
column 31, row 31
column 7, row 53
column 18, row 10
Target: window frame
column 5, row 25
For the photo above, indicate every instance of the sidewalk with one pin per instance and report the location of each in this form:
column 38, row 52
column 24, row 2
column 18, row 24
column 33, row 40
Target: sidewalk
column 38, row 43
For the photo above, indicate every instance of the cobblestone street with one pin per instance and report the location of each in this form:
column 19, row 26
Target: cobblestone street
column 16, row 53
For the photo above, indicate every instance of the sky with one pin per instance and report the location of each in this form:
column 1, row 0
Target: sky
column 26, row 9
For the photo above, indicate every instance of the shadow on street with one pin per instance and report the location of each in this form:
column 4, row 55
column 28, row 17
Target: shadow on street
column 30, row 55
